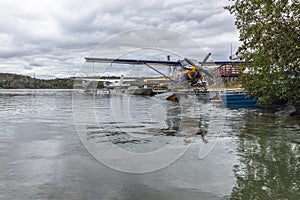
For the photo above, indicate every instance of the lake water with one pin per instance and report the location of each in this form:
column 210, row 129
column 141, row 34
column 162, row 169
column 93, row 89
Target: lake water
column 65, row 144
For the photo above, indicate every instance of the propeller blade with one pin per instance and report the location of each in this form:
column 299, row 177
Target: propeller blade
column 205, row 59
column 190, row 62
column 205, row 71
column 200, row 69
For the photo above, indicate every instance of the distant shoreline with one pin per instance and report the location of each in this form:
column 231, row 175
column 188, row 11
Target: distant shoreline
column 15, row 81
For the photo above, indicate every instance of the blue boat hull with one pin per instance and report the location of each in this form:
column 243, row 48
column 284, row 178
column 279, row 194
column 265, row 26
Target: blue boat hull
column 237, row 100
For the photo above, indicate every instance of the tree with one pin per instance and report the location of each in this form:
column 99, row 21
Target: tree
column 270, row 40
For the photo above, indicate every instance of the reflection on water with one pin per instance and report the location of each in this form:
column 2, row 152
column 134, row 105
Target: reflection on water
column 255, row 156
column 269, row 158
column 139, row 134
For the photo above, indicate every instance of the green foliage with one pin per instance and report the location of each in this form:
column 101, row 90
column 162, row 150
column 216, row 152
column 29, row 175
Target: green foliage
column 270, row 36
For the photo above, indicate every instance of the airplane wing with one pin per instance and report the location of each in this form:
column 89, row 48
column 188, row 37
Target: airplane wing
column 157, row 62
column 218, row 63
column 132, row 61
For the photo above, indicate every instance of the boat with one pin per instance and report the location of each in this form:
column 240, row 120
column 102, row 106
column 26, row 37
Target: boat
column 237, row 99
column 134, row 90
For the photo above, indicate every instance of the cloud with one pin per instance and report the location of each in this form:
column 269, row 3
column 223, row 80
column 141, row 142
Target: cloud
column 53, row 36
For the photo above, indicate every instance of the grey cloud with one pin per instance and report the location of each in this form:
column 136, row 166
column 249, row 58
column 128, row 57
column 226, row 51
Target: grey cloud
column 59, row 36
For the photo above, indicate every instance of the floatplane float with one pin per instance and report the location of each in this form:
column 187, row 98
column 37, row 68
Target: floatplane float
column 188, row 77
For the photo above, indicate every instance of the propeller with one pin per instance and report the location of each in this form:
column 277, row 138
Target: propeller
column 200, row 69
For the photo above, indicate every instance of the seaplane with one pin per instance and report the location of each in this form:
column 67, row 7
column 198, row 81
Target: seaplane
column 187, row 74
column 89, row 84
column 113, row 83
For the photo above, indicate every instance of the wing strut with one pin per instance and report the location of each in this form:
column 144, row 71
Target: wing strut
column 157, row 71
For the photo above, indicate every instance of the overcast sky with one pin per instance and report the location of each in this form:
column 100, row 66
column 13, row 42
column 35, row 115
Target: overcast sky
column 50, row 38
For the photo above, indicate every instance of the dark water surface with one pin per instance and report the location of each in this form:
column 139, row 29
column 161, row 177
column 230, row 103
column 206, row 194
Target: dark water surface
column 42, row 156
